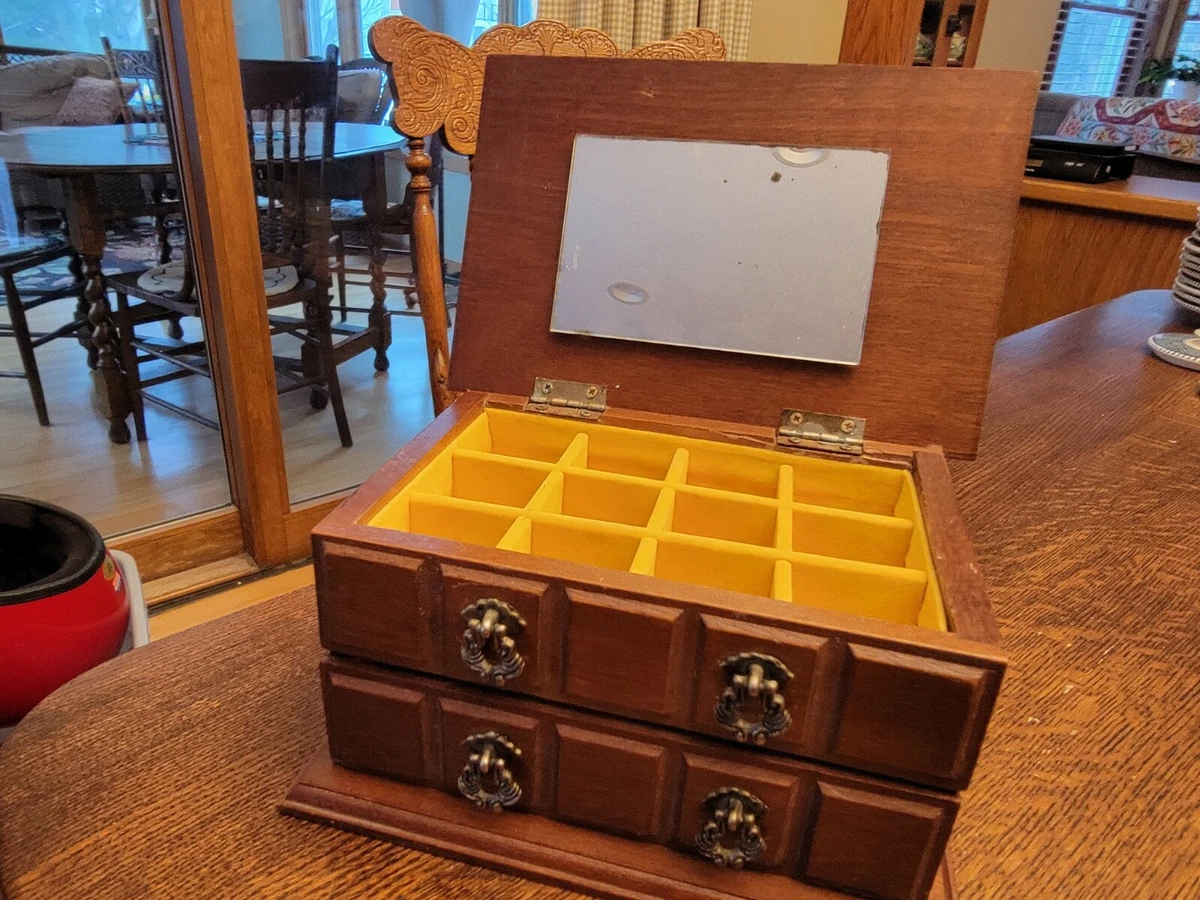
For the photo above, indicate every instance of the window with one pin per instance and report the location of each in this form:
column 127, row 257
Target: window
column 322, row 26
column 73, row 24
column 370, row 12
column 1188, row 43
column 1099, row 45
column 487, row 16
column 446, row 17
column 460, row 21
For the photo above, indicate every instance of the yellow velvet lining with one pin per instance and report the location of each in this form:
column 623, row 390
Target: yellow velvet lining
column 822, row 533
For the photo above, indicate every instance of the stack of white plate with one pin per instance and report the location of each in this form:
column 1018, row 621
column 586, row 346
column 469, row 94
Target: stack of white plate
column 1187, row 283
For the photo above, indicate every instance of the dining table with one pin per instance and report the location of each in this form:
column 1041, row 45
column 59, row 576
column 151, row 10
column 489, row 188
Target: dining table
column 78, row 155
column 159, row 774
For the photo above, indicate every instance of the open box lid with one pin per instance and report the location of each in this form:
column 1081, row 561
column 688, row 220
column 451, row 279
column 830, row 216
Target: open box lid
column 956, row 144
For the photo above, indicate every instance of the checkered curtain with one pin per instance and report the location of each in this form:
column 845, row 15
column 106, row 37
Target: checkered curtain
column 632, row 23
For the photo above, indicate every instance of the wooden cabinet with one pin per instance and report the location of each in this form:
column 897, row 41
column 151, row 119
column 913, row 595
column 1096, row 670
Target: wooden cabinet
column 936, row 33
column 949, row 33
column 826, row 826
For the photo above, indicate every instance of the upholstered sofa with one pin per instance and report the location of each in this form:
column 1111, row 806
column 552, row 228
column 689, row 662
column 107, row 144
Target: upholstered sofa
column 1166, row 132
column 37, row 91
column 33, row 91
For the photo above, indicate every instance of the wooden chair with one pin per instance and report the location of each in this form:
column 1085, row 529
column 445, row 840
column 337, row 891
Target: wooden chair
column 350, row 224
column 138, row 68
column 16, row 255
column 437, row 85
column 146, row 106
column 288, row 104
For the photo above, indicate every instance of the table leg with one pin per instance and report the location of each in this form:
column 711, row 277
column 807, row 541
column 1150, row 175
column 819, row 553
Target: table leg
column 85, row 218
column 84, row 335
column 373, row 182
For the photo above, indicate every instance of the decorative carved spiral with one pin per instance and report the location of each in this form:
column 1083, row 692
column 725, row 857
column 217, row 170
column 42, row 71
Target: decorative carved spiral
column 705, row 43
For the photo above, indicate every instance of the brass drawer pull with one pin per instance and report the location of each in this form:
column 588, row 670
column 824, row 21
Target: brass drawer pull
column 754, row 676
column 492, row 626
column 732, row 837
column 490, row 754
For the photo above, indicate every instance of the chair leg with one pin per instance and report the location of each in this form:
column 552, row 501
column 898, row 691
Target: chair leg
column 339, row 251
column 411, row 294
column 20, row 329
column 320, row 315
column 133, row 378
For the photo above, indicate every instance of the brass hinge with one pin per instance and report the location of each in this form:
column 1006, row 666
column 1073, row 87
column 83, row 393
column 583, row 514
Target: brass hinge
column 821, row 431
column 573, row 399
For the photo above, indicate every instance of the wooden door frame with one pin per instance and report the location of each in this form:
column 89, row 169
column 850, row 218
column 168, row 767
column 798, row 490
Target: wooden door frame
column 213, row 163
column 204, row 78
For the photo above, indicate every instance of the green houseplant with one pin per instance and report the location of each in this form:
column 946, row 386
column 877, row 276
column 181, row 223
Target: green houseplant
column 1184, row 70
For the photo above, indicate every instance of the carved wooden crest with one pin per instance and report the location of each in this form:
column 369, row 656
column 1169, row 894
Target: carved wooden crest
column 438, row 83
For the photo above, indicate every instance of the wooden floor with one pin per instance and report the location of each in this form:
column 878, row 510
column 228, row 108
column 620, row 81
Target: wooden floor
column 180, row 470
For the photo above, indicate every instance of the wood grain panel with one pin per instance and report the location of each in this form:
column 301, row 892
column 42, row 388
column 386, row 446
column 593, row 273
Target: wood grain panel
column 378, row 605
column 619, row 652
column 964, row 591
column 851, row 827
column 611, row 782
column 939, row 274
column 372, row 726
column 881, row 33
column 932, row 710
column 1067, row 258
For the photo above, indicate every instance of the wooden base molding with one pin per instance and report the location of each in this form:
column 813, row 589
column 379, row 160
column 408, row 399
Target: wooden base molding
column 531, row 846
column 171, row 548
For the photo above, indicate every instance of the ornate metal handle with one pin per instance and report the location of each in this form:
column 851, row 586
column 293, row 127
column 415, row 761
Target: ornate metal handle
column 754, row 676
column 732, row 836
column 492, row 626
column 490, row 754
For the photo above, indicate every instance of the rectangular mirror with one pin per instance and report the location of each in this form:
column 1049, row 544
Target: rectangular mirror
column 721, row 246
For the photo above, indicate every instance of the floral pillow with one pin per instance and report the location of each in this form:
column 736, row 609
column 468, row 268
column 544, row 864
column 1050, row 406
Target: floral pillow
column 91, row 101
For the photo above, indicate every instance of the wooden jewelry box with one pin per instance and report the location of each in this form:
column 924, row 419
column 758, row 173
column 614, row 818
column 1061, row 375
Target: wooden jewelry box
column 669, row 631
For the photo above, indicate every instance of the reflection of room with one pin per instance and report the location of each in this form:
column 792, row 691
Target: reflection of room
column 179, row 468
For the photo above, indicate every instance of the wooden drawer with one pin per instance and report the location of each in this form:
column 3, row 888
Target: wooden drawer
column 890, row 700
column 854, row 833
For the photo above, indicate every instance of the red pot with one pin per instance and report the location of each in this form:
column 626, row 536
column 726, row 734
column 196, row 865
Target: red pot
column 63, row 603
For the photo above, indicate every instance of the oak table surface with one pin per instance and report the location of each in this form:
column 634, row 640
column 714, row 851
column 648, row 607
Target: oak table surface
column 157, row 774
